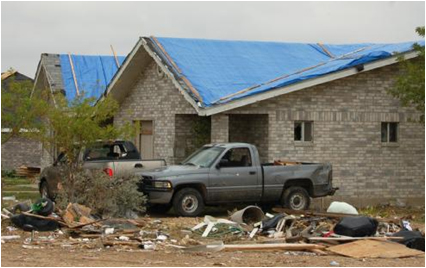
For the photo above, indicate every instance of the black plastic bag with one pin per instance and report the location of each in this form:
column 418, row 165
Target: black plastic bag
column 271, row 223
column 23, row 222
column 412, row 239
column 356, row 226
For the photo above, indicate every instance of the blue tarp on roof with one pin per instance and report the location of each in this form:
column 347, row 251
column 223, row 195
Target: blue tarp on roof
column 219, row 70
column 93, row 74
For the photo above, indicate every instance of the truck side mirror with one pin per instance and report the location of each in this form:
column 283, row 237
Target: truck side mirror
column 222, row 163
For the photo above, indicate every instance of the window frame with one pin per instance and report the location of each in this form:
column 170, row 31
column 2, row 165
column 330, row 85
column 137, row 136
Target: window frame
column 303, row 122
column 388, row 127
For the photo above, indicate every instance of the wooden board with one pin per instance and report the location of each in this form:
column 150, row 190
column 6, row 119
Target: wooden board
column 374, row 249
column 280, row 246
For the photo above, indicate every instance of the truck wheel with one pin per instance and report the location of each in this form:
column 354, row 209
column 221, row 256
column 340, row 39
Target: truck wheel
column 296, row 198
column 188, row 202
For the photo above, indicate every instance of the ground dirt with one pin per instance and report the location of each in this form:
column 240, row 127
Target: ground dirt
column 14, row 255
column 61, row 253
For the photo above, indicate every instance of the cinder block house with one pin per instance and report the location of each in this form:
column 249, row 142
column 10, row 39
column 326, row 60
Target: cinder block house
column 73, row 75
column 304, row 102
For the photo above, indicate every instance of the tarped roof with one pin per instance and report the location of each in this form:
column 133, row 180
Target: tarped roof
column 93, row 74
column 221, row 71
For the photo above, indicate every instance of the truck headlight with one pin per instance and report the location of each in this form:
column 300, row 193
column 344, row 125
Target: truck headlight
column 162, row 184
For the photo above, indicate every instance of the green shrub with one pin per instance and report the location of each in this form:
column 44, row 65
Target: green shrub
column 106, row 196
column 10, row 173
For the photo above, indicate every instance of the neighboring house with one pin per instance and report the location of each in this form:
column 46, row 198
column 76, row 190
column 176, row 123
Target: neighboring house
column 18, row 151
column 304, row 102
column 73, row 75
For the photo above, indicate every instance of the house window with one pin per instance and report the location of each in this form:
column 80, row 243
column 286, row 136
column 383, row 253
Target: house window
column 389, row 132
column 303, row 131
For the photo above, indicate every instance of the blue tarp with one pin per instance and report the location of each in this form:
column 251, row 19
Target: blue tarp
column 93, row 74
column 218, row 69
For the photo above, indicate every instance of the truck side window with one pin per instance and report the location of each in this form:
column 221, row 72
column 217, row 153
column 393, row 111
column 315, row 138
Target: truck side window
column 237, row 157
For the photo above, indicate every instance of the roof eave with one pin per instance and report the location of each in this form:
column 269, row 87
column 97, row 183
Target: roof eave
column 168, row 72
column 121, row 70
column 143, row 45
column 302, row 85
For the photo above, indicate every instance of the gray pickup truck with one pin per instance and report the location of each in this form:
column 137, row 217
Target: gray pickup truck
column 232, row 173
column 117, row 159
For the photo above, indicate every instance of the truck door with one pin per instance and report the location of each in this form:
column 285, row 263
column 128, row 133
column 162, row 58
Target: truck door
column 126, row 162
column 235, row 178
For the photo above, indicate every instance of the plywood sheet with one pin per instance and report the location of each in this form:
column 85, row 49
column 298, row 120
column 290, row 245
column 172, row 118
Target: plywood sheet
column 374, row 249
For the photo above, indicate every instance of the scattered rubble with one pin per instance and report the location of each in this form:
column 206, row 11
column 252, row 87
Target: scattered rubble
column 249, row 229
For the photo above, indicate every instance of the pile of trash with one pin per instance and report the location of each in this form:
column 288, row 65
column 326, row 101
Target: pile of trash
column 340, row 231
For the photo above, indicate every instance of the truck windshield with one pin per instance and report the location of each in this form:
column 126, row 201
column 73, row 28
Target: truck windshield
column 203, row 157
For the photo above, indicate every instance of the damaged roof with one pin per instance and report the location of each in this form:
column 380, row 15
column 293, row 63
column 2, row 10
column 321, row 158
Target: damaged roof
column 216, row 75
column 91, row 73
column 218, row 71
column 15, row 74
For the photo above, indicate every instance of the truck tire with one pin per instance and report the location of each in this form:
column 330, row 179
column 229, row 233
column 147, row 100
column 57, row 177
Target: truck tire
column 296, row 198
column 188, row 202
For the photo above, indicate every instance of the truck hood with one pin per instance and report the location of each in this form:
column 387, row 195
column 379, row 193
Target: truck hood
column 173, row 171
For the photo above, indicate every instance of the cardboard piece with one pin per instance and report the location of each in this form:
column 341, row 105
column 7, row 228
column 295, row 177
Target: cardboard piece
column 374, row 249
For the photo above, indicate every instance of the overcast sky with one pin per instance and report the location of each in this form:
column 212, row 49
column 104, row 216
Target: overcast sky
column 31, row 28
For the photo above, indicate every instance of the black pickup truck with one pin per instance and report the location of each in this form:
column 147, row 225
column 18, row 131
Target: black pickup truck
column 117, row 159
column 232, row 173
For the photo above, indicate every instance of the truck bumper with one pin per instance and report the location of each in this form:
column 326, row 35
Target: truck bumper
column 159, row 197
column 155, row 195
column 324, row 190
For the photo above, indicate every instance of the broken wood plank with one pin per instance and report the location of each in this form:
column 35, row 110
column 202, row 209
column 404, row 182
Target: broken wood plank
column 375, row 249
column 115, row 56
column 10, row 237
column 120, row 243
column 282, row 246
column 58, row 220
column 73, row 74
column 84, row 224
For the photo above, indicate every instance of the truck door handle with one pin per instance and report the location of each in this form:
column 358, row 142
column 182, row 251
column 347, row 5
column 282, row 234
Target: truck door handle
column 252, row 172
column 138, row 166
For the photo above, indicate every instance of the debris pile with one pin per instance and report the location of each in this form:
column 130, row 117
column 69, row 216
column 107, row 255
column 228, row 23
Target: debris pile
column 27, row 172
column 249, row 229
